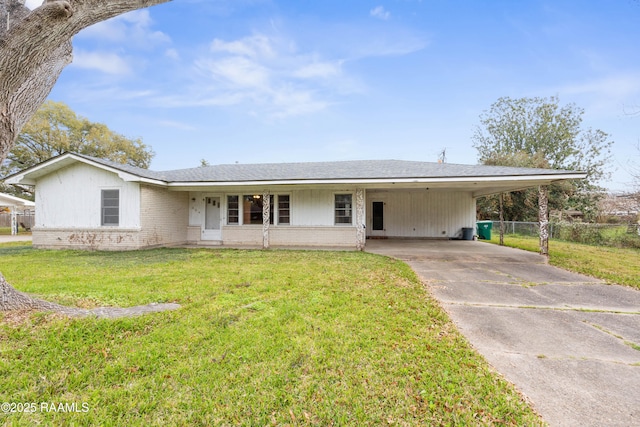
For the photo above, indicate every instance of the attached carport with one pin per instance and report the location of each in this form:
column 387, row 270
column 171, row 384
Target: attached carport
column 438, row 200
column 567, row 341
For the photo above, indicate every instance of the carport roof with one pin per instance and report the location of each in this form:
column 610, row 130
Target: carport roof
column 363, row 172
column 9, row 200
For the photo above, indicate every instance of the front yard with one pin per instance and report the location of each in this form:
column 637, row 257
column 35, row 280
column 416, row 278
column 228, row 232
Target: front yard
column 262, row 338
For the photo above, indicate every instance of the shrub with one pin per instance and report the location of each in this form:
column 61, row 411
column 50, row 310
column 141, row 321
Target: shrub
column 597, row 235
column 580, row 232
column 628, row 240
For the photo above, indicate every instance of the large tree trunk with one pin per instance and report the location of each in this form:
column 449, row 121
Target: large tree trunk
column 35, row 46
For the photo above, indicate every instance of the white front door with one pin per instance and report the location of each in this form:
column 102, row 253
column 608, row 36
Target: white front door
column 211, row 226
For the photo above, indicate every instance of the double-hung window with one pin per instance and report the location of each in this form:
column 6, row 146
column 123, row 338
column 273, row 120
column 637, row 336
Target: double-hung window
column 110, row 208
column 233, row 210
column 343, row 209
column 284, row 216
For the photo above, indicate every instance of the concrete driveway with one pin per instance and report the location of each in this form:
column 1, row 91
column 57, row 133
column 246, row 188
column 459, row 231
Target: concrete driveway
column 570, row 343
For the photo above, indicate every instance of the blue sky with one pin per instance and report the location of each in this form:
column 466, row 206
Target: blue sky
column 255, row 81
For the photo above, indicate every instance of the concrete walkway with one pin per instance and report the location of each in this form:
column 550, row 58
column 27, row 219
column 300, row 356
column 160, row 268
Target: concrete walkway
column 570, row 343
column 17, row 238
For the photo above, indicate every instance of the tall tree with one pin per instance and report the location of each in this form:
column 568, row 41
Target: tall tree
column 539, row 132
column 55, row 129
column 35, row 46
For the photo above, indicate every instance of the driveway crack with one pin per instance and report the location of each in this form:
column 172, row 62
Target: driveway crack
column 625, row 341
column 543, row 307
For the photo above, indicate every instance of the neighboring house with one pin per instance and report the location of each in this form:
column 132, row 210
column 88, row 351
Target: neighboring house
column 85, row 202
column 620, row 205
column 14, row 204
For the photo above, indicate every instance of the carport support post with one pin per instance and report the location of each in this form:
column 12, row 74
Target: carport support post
column 543, row 218
column 501, row 219
column 266, row 219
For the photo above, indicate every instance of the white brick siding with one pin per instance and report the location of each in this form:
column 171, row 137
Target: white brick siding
column 117, row 239
column 164, row 216
column 313, row 236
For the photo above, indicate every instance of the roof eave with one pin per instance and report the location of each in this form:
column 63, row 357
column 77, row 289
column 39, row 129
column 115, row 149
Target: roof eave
column 9, row 200
column 29, row 176
column 542, row 179
column 520, row 185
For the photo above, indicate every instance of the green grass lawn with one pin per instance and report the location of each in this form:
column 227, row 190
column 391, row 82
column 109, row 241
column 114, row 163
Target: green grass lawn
column 262, row 338
column 615, row 265
column 6, row 231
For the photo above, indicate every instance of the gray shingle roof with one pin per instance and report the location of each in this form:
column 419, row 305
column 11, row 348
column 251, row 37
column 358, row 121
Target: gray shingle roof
column 356, row 169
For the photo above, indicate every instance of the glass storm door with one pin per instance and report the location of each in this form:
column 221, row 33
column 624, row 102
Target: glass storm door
column 377, row 219
column 211, row 228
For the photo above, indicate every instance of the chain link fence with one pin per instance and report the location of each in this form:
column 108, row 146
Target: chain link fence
column 615, row 235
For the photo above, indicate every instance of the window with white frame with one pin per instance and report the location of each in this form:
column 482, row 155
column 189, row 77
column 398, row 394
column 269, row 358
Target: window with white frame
column 110, row 207
column 343, row 209
column 233, row 210
column 284, row 204
column 249, row 207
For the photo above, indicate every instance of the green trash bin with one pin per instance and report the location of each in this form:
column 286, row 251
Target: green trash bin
column 484, row 229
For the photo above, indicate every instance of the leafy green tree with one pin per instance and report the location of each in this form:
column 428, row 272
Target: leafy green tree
column 539, row 132
column 55, row 129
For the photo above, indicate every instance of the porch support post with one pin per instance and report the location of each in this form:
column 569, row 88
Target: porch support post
column 543, row 218
column 360, row 219
column 266, row 215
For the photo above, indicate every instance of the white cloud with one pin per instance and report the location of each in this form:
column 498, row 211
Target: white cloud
column 267, row 75
column 255, row 46
column 236, row 72
column 172, row 54
column 32, row 4
column 605, row 97
column 295, row 102
column 380, row 13
column 270, row 76
column 133, row 29
column 616, row 86
column 320, row 70
column 176, row 125
column 109, row 63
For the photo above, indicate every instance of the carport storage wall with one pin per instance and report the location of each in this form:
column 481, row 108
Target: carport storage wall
column 423, row 213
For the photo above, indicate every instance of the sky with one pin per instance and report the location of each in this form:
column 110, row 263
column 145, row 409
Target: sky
column 262, row 81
